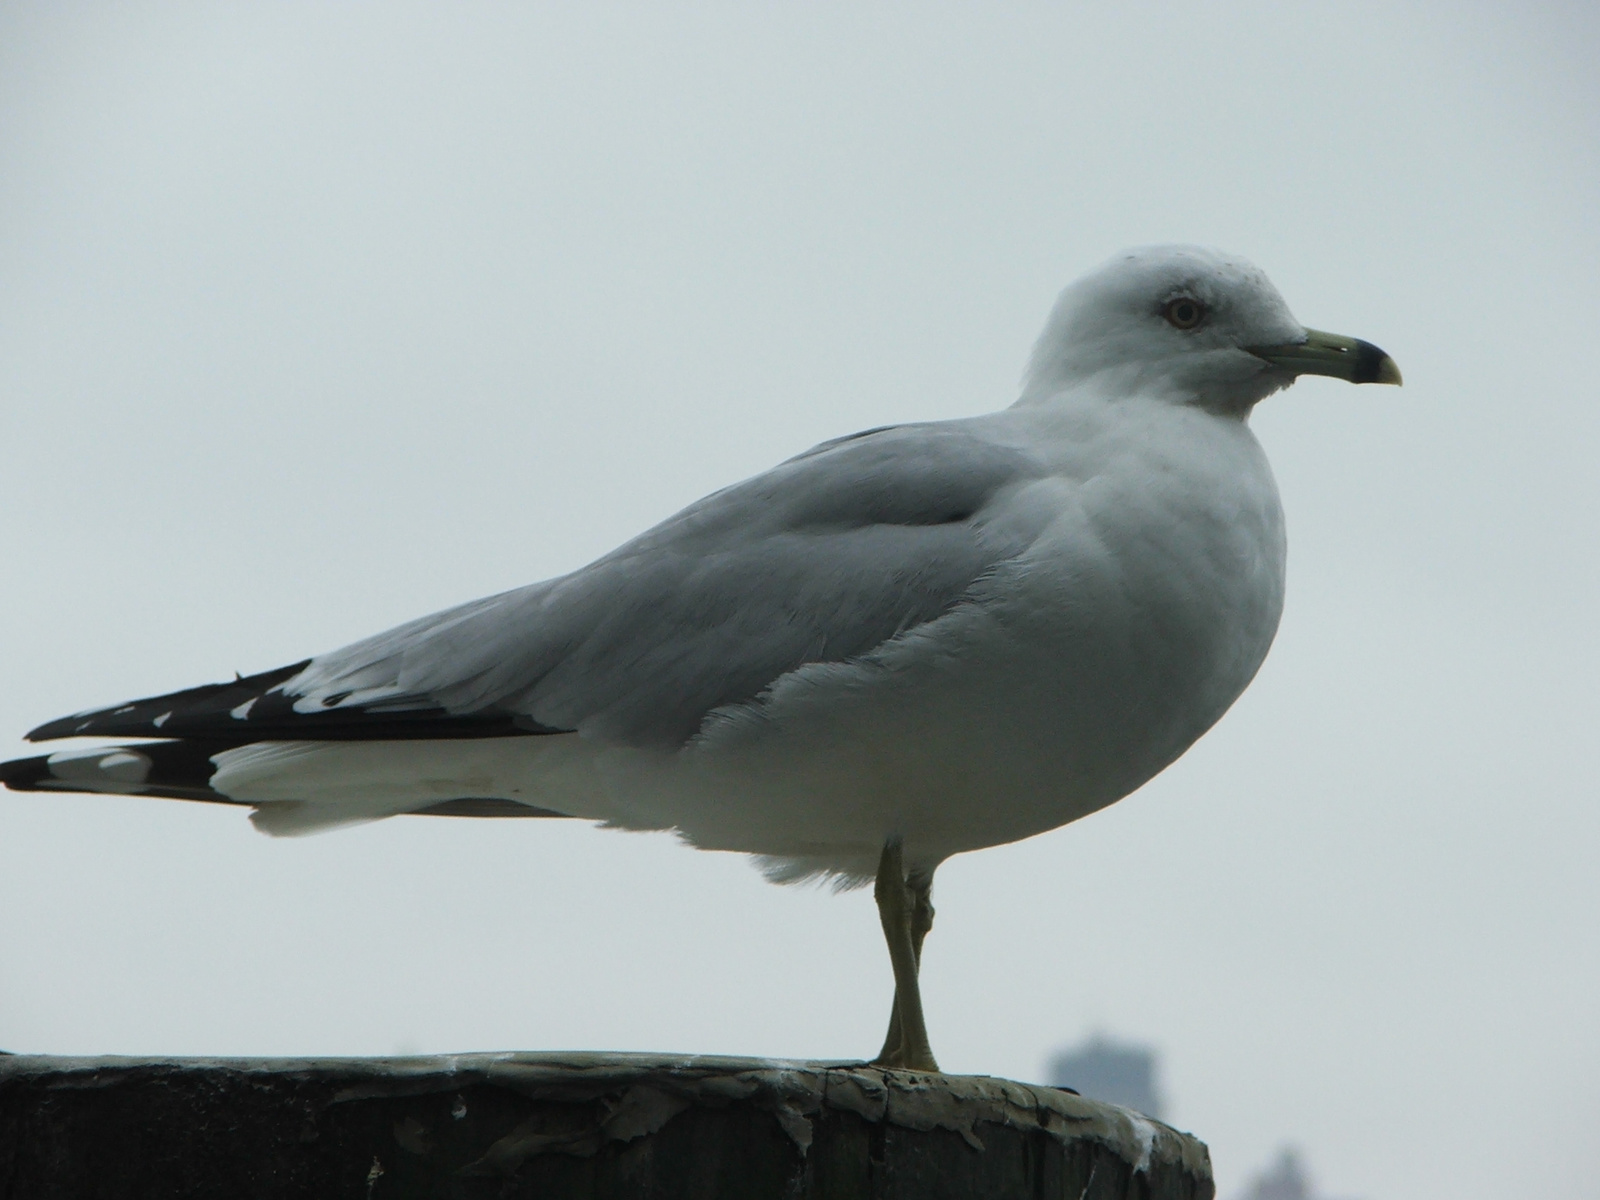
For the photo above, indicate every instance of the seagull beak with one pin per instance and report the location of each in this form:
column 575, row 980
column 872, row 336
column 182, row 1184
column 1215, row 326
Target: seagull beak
column 1345, row 358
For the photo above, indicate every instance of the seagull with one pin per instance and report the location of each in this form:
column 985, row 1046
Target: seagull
column 898, row 646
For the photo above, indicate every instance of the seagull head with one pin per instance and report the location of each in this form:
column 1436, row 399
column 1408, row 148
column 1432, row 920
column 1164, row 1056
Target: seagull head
column 1192, row 325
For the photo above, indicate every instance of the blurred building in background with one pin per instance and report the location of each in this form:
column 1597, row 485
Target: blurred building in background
column 1285, row 1179
column 1127, row 1073
column 1118, row 1072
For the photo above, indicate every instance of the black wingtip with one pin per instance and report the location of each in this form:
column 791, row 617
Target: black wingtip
column 252, row 709
column 175, row 770
column 25, row 774
column 150, row 717
column 182, row 770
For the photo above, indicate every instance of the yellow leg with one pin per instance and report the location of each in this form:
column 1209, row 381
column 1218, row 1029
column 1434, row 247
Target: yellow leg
column 906, row 910
column 921, row 888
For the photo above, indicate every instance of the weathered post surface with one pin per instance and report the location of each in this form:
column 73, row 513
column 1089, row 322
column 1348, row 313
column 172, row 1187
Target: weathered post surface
column 559, row 1126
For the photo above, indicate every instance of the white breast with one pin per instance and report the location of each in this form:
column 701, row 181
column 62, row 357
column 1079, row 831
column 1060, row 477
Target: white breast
column 1147, row 602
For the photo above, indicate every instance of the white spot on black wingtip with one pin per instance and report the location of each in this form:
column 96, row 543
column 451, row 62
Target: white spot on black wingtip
column 126, row 708
column 243, row 711
column 78, row 755
column 101, row 770
column 161, row 720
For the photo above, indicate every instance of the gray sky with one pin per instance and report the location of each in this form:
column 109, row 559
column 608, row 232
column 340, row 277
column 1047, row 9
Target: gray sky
column 313, row 320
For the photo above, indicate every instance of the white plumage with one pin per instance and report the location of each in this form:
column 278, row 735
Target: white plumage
column 1110, row 584
column 924, row 639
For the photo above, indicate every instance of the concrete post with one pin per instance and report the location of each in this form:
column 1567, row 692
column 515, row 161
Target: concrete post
column 560, row 1126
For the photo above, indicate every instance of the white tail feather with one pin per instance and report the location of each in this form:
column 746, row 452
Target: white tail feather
column 308, row 787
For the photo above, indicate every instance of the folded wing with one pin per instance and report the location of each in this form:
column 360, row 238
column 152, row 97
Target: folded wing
column 821, row 559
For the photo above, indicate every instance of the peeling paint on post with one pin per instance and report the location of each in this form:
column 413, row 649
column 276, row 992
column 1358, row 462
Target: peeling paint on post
column 594, row 1126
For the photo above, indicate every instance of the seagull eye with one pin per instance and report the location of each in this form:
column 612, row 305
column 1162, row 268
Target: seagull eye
column 1184, row 312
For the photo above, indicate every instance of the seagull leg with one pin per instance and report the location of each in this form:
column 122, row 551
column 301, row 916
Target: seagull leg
column 921, row 888
column 906, row 910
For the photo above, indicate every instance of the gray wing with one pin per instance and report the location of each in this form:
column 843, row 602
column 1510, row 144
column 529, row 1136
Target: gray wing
column 821, row 559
